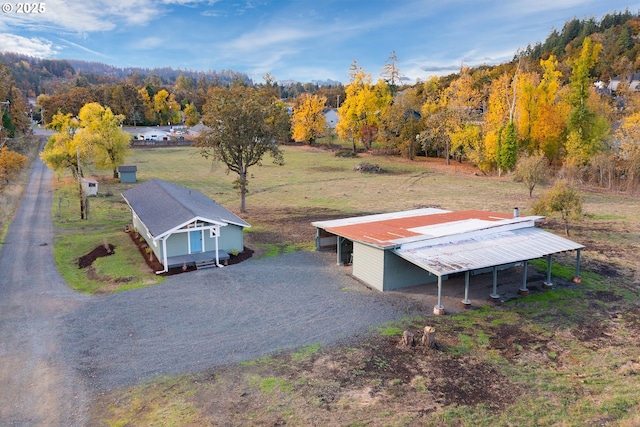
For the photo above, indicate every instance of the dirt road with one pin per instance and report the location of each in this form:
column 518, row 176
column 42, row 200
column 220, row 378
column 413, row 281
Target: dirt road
column 37, row 384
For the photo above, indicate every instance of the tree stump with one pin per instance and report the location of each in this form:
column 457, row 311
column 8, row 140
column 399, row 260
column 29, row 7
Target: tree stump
column 429, row 337
column 407, row 339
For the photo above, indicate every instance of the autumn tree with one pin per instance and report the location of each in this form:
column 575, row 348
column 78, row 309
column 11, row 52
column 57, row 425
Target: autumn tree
column 10, row 164
column 401, row 124
column 64, row 151
column 548, row 131
column 243, row 127
column 361, row 112
column 191, row 115
column 563, row 198
column 448, row 115
column 531, row 170
column 100, row 131
column 166, row 108
column 629, row 149
column 308, row 121
column 587, row 130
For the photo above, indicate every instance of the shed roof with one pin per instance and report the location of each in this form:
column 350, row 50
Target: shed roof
column 125, row 168
column 393, row 229
column 485, row 250
column 164, row 207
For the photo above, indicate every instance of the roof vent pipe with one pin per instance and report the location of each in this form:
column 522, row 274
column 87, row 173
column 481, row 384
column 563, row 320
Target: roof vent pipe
column 516, row 212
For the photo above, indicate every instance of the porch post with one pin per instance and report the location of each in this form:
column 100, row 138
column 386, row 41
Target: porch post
column 548, row 284
column 438, row 310
column 523, row 290
column 577, row 278
column 465, row 302
column 217, row 232
column 494, row 295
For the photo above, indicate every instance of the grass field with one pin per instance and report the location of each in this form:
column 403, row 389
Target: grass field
column 568, row 357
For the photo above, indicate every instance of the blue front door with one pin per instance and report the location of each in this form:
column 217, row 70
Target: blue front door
column 195, row 238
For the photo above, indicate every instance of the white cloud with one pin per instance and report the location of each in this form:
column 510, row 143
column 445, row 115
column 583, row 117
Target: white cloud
column 35, row 46
column 150, row 43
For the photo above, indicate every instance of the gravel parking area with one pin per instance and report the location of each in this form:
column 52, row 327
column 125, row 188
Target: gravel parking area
column 212, row 317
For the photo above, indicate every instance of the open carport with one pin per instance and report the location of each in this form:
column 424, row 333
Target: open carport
column 412, row 248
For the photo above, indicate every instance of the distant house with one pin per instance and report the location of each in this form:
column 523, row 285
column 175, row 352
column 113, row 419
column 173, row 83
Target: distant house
column 632, row 80
column 151, row 134
column 331, row 116
column 127, row 173
column 89, row 186
column 197, row 129
column 183, row 226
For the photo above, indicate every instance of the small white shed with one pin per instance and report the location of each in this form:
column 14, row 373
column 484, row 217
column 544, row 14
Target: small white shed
column 89, row 186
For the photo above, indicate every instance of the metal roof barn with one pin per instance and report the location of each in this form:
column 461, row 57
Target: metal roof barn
column 410, row 248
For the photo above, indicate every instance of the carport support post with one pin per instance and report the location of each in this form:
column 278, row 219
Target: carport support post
column 438, row 310
column 465, row 302
column 577, row 278
column 523, row 290
column 548, row 284
column 340, row 239
column 494, row 295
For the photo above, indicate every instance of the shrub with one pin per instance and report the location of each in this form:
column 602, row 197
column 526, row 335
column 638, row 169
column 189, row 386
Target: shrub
column 365, row 167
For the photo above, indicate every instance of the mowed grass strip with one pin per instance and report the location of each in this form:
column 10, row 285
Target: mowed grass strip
column 75, row 237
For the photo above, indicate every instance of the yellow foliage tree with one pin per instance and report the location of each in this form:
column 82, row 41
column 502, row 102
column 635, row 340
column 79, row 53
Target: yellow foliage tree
column 629, row 151
column 496, row 119
column 10, row 164
column 365, row 105
column 100, row 131
column 166, row 108
column 308, row 121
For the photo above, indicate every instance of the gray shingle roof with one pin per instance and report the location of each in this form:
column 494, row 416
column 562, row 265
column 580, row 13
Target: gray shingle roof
column 163, row 206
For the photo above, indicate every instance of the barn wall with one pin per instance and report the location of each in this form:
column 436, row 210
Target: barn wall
column 368, row 265
column 400, row 273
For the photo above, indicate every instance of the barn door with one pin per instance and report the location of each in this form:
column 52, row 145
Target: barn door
column 195, row 241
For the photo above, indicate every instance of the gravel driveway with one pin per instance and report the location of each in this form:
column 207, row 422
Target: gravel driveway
column 59, row 348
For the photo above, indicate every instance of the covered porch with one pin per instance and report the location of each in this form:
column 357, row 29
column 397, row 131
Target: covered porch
column 198, row 259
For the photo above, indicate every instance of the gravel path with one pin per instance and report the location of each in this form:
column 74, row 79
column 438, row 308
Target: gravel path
column 219, row 316
column 59, row 348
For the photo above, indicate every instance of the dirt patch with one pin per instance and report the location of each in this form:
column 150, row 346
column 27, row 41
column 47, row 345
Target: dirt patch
column 98, row 252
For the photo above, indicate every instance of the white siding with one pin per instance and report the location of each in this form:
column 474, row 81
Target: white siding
column 368, row 265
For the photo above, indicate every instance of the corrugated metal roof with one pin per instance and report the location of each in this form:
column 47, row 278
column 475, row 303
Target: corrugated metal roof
column 488, row 250
column 389, row 230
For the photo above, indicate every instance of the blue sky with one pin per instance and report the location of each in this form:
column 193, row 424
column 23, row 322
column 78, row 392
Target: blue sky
column 292, row 39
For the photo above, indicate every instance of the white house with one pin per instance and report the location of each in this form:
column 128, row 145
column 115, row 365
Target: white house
column 331, row 116
column 151, row 134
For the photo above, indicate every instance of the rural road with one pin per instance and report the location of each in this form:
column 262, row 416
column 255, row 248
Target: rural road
column 59, row 349
column 37, row 385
